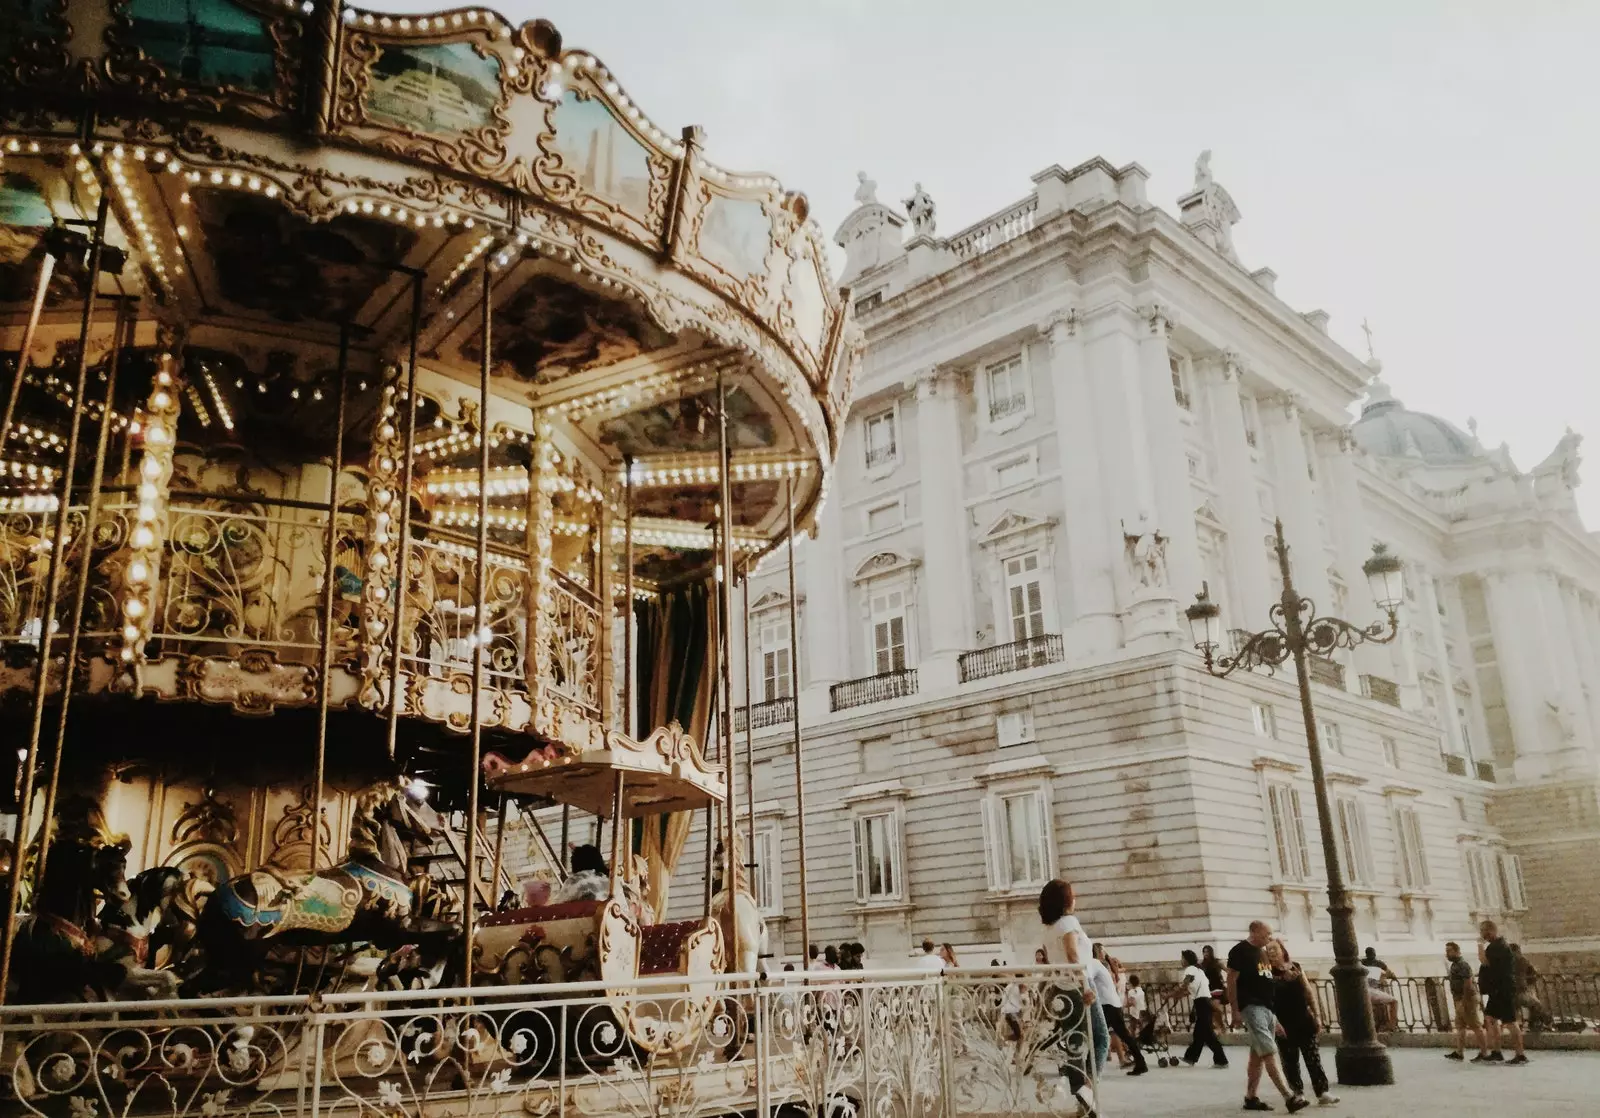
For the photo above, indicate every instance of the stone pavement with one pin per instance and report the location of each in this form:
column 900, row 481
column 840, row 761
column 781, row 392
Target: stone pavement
column 1554, row 1085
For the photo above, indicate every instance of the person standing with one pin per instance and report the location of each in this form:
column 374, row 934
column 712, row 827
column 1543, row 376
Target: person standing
column 1527, row 993
column 947, row 955
column 1469, row 1011
column 1066, row 943
column 1500, row 984
column 928, row 960
column 1250, row 998
column 1112, row 1000
column 1205, row 1032
column 1295, row 1005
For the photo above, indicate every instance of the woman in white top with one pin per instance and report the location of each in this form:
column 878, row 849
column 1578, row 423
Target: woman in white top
column 1067, row 943
column 1205, row 1030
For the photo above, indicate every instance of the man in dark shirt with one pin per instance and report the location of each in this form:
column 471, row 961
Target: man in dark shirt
column 1250, row 997
column 1500, row 984
column 1469, row 1015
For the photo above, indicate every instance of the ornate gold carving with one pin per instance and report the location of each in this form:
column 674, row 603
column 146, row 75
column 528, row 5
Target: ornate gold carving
column 255, row 683
column 141, row 570
column 292, row 837
column 382, row 546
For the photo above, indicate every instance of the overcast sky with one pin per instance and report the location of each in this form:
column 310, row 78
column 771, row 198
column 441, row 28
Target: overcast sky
column 1433, row 167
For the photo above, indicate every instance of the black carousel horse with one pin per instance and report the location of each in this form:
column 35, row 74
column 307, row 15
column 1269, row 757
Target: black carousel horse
column 367, row 898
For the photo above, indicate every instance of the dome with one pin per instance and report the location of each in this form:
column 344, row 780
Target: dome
column 1388, row 429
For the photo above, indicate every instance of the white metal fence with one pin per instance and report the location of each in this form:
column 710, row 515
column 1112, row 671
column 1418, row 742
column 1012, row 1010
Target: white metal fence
column 838, row 1045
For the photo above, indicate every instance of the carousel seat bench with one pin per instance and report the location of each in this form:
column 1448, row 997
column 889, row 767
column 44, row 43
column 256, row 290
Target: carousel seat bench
column 661, row 944
column 541, row 914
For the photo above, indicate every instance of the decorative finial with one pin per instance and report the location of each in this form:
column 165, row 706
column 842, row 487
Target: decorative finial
column 1202, row 170
column 866, row 189
column 1367, row 330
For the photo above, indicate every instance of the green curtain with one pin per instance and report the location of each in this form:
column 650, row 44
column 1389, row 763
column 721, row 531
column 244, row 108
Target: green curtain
column 674, row 682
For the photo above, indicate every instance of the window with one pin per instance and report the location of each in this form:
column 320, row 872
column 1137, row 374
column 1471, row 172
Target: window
column 884, row 518
column 764, row 873
column 1266, row 724
column 1511, row 890
column 868, row 302
column 1355, row 846
column 1413, row 857
column 1288, row 833
column 1007, row 383
column 882, row 447
column 1023, row 840
column 1180, row 381
column 1025, row 593
column 877, row 857
column 1391, row 752
column 1197, row 466
column 1328, row 734
column 775, row 653
column 1483, row 899
column 888, row 632
column 1015, row 471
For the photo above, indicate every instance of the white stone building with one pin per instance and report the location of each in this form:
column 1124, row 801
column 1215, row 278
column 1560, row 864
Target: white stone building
column 1072, row 415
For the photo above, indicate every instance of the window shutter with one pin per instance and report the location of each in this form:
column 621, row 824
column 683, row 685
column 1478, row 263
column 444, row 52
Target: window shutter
column 891, row 859
column 1517, row 899
column 993, row 842
column 861, row 860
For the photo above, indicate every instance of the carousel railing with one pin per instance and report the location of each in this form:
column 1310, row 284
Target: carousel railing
column 575, row 642
column 442, row 595
column 24, row 564
column 875, row 1044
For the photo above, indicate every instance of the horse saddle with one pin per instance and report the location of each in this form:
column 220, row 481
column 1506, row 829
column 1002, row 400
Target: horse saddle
column 276, row 905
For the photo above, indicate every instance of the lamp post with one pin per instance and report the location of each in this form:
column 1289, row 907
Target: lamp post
column 1297, row 632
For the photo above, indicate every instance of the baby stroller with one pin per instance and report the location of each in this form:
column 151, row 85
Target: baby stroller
column 1153, row 1038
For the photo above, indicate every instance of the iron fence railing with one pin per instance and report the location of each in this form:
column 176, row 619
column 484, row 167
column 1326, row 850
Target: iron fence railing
column 1562, row 1003
column 773, row 712
column 873, row 689
column 1016, row 656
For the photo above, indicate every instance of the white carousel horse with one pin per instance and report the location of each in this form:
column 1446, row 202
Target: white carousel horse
column 746, row 920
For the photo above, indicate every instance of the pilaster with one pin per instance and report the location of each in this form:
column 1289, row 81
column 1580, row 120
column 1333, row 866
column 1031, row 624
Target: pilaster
column 1251, row 597
column 1519, row 672
column 1091, row 590
column 946, row 562
column 1576, row 739
column 1429, row 599
column 1169, row 467
column 1296, row 500
column 827, row 651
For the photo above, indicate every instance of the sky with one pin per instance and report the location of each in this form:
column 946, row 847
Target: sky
column 1430, row 167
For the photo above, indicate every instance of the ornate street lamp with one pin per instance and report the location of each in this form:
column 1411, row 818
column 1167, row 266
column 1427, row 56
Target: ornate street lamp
column 1298, row 632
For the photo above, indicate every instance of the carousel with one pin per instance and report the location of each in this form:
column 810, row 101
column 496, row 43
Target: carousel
column 389, row 405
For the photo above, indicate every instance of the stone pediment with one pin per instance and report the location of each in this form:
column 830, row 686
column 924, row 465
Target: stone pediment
column 883, row 563
column 1014, row 523
column 772, row 599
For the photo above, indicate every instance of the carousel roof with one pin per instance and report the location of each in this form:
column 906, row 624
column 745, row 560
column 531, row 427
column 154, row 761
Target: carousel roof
column 665, row 772
column 282, row 178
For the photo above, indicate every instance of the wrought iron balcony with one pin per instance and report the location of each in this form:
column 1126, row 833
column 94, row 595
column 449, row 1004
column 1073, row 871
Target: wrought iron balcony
column 1016, row 656
column 1455, row 765
column 1485, row 771
column 1328, row 672
column 773, row 712
column 873, row 689
column 1381, row 690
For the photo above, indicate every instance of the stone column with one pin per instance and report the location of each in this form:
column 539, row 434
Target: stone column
column 1092, row 591
column 944, row 536
column 1169, row 464
column 822, row 621
column 1520, row 678
column 1429, row 603
column 1579, row 622
column 1251, row 596
column 1296, row 502
column 1564, row 657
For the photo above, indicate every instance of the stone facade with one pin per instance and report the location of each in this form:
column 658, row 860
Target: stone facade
column 1071, row 417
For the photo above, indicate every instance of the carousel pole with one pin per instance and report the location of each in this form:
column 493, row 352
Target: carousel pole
column 725, row 642
column 403, row 550
column 478, row 640
column 749, row 737
column 81, row 592
column 627, row 594
column 566, row 835
column 794, row 689
column 711, row 826
column 330, row 552
column 52, row 593
column 46, row 268
column 500, row 845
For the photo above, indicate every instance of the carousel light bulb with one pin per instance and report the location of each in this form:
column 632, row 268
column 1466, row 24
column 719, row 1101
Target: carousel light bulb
column 130, row 632
column 143, row 537
column 160, row 400
column 150, row 468
column 147, row 492
column 127, row 653
column 133, row 607
column 138, row 571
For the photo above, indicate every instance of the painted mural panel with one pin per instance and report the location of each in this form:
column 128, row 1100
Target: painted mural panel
column 734, row 235
column 689, row 424
column 437, row 87
column 605, row 156
column 24, row 216
column 550, row 329
column 208, row 42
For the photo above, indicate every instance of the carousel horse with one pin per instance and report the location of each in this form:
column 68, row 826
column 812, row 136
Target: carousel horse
column 367, row 897
column 133, row 932
column 59, row 955
column 746, row 917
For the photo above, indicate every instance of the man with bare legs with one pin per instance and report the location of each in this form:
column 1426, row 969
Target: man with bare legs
column 1250, row 998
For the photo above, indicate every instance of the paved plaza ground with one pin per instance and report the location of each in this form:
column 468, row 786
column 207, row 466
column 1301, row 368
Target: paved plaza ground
column 1554, row 1084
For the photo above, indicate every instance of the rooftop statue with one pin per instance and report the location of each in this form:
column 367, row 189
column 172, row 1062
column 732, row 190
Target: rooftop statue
column 866, row 190
column 922, row 212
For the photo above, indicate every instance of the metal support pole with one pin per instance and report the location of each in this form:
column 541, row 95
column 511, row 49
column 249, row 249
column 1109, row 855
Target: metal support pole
column 629, row 721
column 749, row 744
column 475, row 777
column 330, row 553
column 46, row 269
column 566, row 836
column 69, row 669
column 52, row 593
column 500, row 846
column 794, row 690
column 1359, row 1060
column 403, row 551
column 725, row 644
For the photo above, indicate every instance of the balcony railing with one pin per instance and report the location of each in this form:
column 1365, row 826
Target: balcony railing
column 1380, row 690
column 1017, row 656
column 879, row 456
column 1455, row 765
column 992, row 232
column 1485, row 771
column 1002, row 406
column 773, row 712
column 873, row 689
column 1327, row 672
